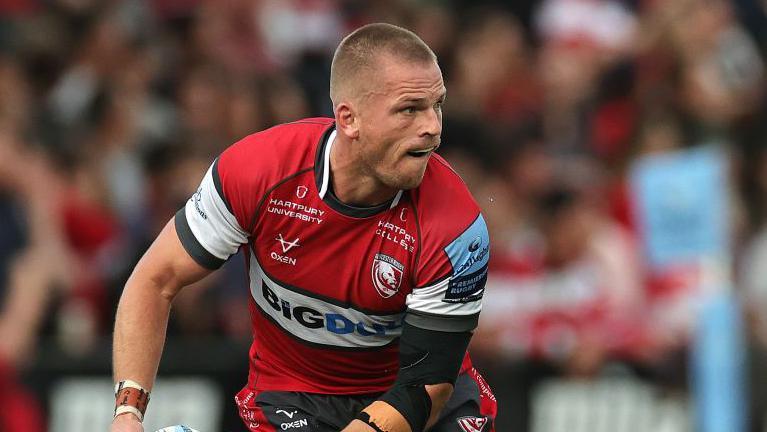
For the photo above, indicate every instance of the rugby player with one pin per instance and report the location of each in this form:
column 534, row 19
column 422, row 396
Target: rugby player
column 366, row 256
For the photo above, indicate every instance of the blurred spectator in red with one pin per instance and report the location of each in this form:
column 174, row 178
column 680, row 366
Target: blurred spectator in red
column 33, row 270
column 583, row 291
column 582, row 41
column 130, row 100
column 492, row 75
column 569, row 299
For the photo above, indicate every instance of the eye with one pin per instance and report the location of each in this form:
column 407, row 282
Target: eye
column 408, row 110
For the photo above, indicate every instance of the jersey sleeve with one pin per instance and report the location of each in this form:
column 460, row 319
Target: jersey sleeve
column 457, row 265
column 207, row 226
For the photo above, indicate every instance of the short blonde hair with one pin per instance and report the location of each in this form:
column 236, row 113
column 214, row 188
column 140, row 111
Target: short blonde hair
column 358, row 52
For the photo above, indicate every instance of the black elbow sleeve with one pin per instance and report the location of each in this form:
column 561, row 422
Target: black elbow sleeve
column 426, row 357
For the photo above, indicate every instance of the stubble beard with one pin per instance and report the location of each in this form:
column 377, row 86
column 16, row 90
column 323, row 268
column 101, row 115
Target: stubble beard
column 398, row 181
column 371, row 167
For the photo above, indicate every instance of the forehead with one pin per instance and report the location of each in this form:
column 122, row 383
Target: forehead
column 398, row 77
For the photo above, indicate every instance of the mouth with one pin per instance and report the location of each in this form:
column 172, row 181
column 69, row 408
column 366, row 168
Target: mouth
column 422, row 152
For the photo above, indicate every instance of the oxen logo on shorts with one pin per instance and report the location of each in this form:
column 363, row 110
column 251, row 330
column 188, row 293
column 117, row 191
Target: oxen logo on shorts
column 387, row 275
column 472, row 424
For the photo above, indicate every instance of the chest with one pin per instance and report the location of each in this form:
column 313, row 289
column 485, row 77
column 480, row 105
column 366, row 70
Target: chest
column 364, row 262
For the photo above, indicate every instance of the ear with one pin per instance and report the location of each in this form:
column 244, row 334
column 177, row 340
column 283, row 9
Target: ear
column 347, row 120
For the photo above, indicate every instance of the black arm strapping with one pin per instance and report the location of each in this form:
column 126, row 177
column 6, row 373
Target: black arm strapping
column 426, row 357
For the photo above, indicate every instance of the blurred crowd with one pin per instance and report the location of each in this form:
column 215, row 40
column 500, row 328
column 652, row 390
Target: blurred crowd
column 111, row 111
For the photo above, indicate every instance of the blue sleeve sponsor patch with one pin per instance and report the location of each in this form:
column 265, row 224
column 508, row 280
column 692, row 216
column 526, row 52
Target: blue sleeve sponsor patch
column 469, row 255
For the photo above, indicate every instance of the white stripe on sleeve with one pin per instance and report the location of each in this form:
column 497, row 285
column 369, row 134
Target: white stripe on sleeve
column 214, row 227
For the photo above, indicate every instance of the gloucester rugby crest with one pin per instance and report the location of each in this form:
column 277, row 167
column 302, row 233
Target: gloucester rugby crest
column 472, row 424
column 387, row 275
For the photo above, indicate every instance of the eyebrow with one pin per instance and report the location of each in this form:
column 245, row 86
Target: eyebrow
column 414, row 100
column 442, row 96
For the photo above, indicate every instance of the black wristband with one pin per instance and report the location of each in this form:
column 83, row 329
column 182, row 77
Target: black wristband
column 365, row 417
column 412, row 401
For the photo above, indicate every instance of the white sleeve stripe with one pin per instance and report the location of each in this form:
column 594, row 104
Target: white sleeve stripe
column 429, row 300
column 211, row 222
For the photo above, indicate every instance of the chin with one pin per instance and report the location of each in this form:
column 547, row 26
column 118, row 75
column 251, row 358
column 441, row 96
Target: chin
column 406, row 183
column 404, row 178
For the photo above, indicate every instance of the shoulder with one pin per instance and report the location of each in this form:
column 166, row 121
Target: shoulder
column 444, row 204
column 246, row 171
column 454, row 246
column 277, row 150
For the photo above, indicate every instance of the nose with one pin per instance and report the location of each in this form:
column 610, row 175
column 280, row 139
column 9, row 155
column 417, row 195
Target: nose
column 432, row 123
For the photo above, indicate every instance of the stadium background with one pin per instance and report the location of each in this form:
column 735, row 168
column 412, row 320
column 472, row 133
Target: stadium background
column 110, row 112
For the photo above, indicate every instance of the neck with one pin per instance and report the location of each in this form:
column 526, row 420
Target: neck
column 352, row 183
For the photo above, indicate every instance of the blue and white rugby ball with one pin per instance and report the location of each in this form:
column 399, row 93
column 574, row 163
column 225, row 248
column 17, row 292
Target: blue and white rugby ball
column 177, row 428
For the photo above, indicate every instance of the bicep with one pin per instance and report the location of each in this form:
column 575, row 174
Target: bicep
column 168, row 265
column 199, row 239
column 449, row 295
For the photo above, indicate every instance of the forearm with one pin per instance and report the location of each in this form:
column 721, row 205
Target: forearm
column 439, row 394
column 139, row 335
column 387, row 419
column 391, row 420
column 429, row 362
column 142, row 315
column 142, row 320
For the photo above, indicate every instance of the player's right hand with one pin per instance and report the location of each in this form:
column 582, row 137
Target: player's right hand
column 126, row 423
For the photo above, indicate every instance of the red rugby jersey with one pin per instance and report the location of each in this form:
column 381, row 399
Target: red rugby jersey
column 330, row 283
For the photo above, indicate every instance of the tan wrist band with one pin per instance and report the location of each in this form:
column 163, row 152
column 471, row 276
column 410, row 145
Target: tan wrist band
column 131, row 397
